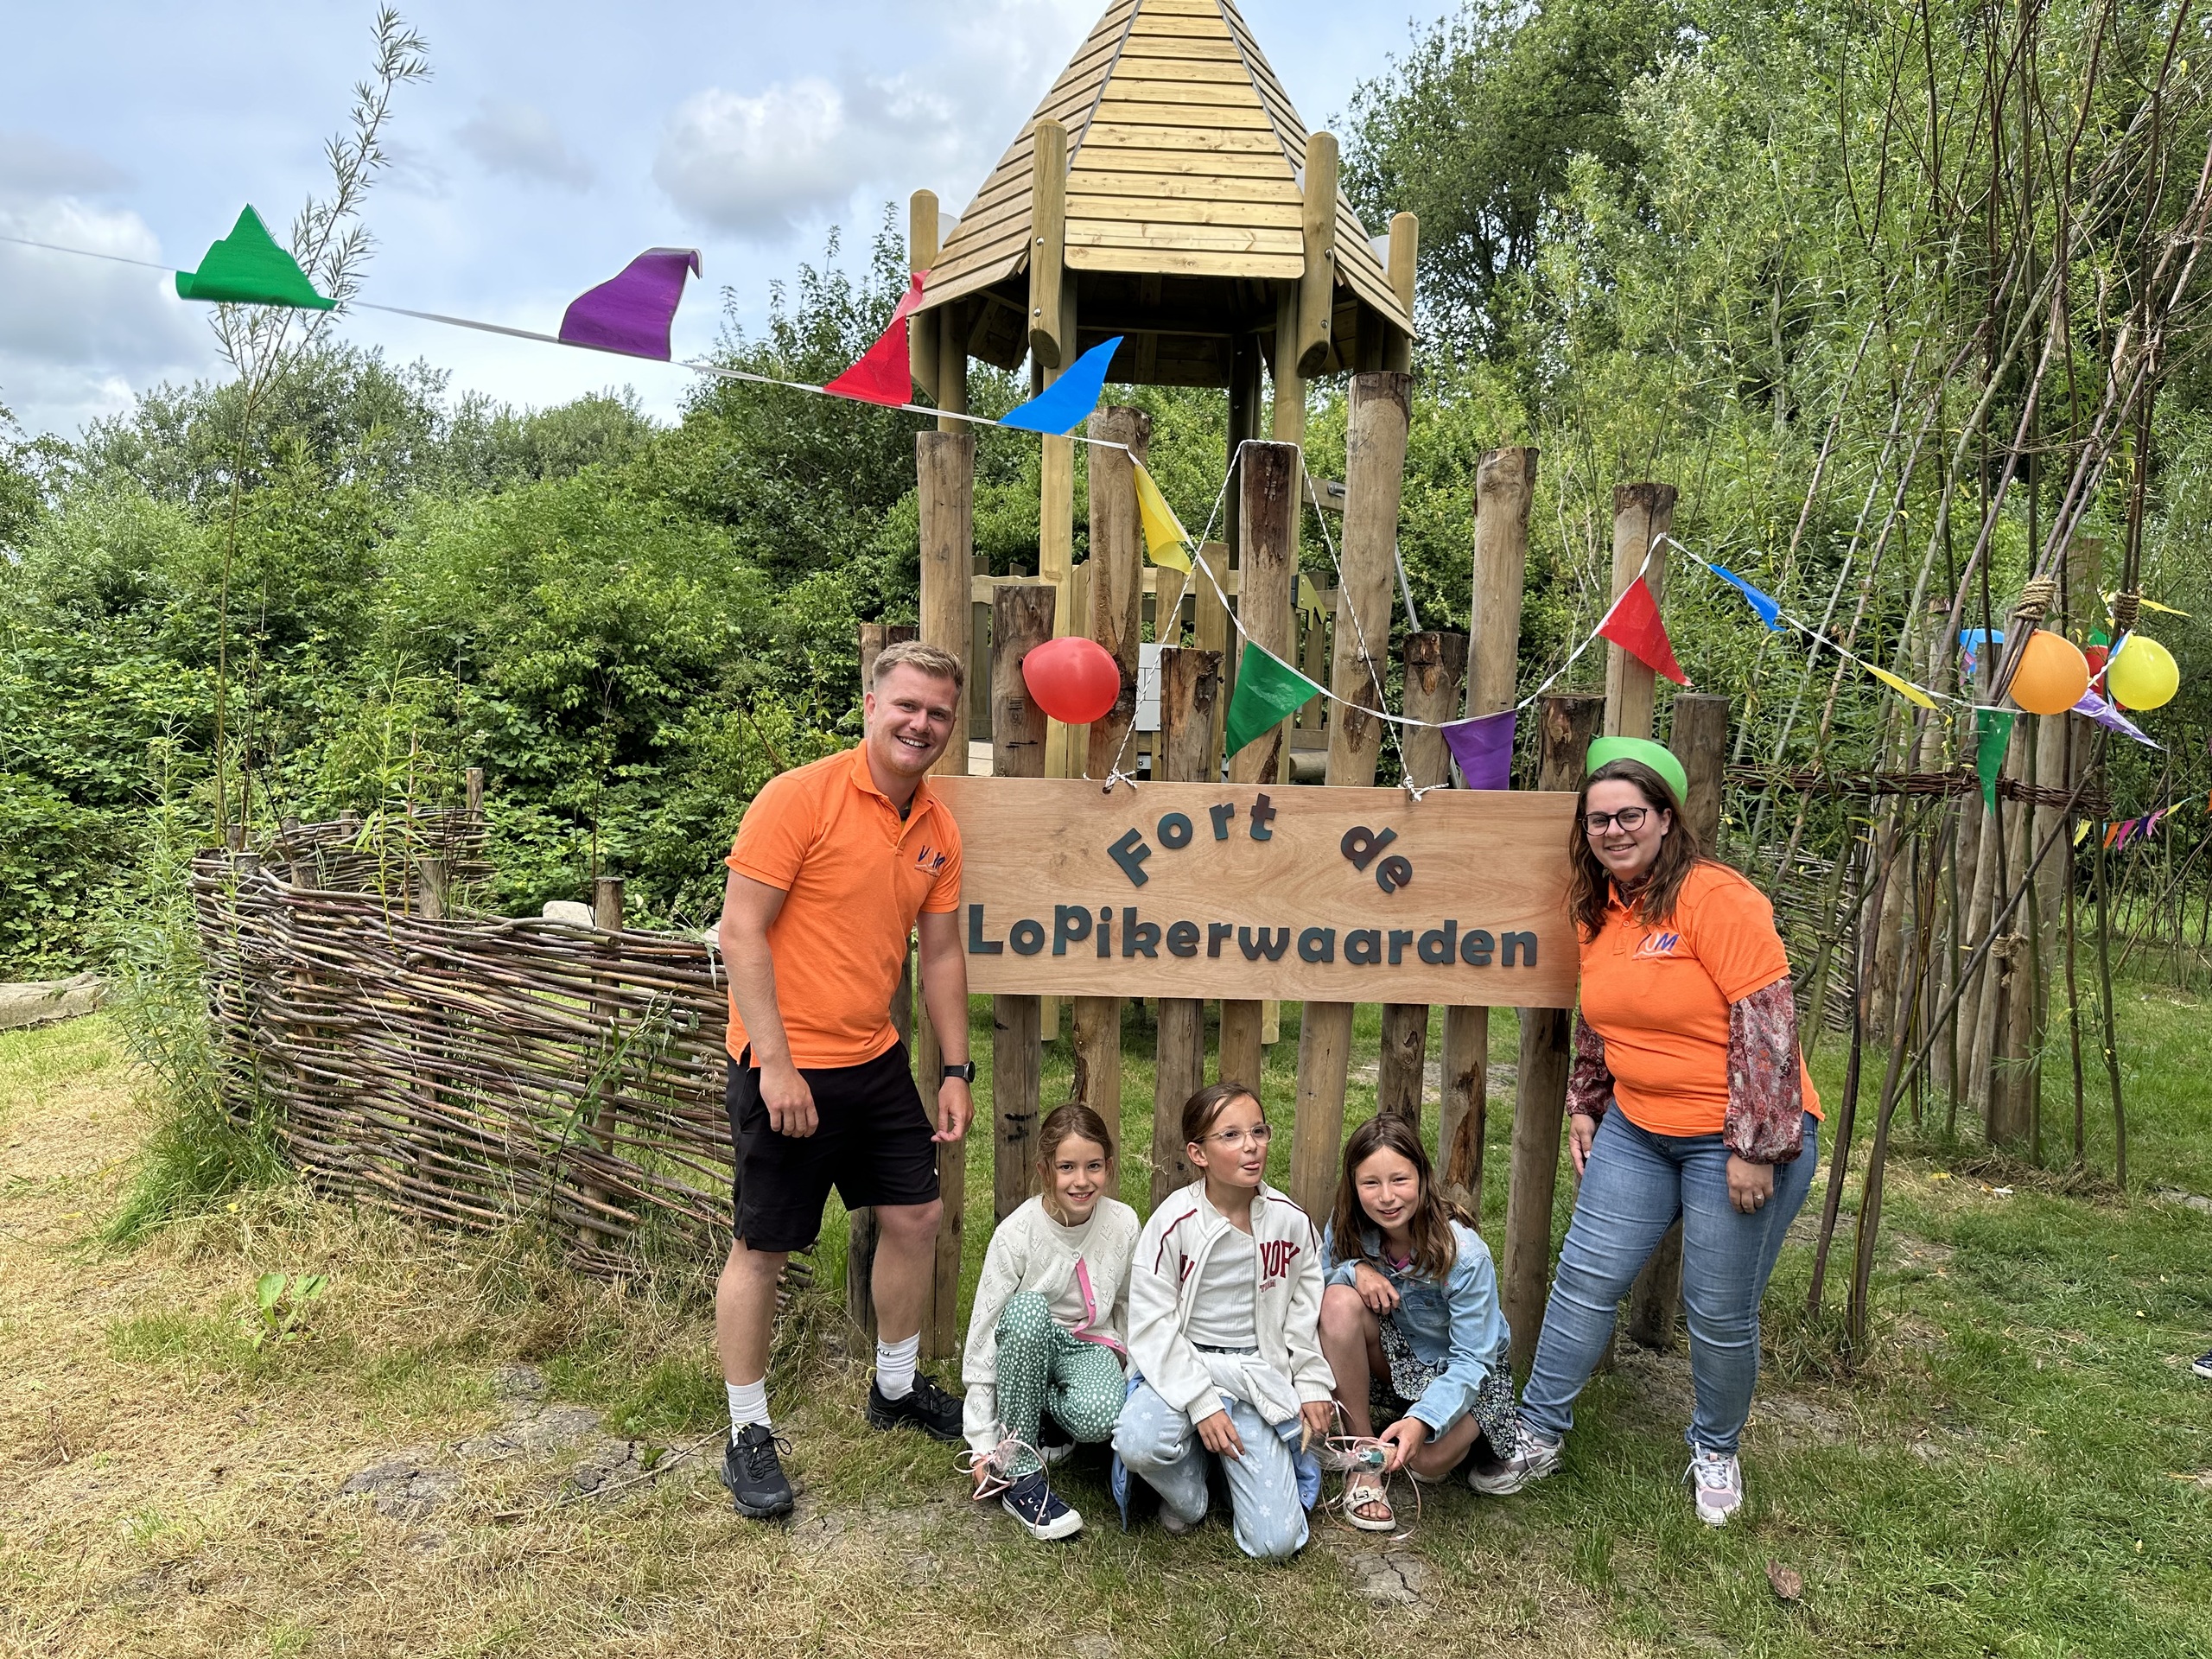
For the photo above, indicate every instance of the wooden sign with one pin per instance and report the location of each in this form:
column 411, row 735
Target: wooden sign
column 1230, row 890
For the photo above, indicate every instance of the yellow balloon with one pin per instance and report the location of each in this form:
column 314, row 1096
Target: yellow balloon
column 2052, row 676
column 2143, row 676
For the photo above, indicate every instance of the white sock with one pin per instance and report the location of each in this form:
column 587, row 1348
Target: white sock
column 748, row 1403
column 894, row 1366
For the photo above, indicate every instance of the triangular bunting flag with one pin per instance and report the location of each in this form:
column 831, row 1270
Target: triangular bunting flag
column 1770, row 610
column 1633, row 624
column 1483, row 749
column 1992, row 731
column 2081, row 831
column 1067, row 402
column 1163, row 532
column 2096, row 708
column 884, row 373
column 631, row 313
column 1905, row 689
column 248, row 268
column 1268, row 690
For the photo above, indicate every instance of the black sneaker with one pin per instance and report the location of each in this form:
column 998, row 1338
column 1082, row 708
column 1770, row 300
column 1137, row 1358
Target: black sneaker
column 1031, row 1502
column 1054, row 1444
column 2202, row 1365
column 926, row 1407
column 755, row 1476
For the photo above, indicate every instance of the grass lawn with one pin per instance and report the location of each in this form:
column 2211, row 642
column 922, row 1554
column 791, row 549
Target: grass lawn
column 2023, row 1467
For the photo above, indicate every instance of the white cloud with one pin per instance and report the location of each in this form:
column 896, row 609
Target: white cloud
column 78, row 335
column 521, row 141
column 32, row 166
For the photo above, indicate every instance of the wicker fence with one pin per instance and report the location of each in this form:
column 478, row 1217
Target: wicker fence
column 471, row 1072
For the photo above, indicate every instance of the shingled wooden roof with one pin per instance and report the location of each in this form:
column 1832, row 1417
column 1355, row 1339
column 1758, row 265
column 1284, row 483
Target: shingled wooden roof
column 1184, row 159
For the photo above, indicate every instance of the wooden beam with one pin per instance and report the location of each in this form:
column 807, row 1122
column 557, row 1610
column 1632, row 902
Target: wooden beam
column 1267, row 518
column 1567, row 724
column 1051, row 335
column 1642, row 514
column 1317, row 227
column 922, row 248
column 1190, row 684
column 1405, row 243
column 1436, row 664
column 1021, row 620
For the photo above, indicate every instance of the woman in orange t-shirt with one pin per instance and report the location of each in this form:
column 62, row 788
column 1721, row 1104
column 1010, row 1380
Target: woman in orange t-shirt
column 1688, row 1100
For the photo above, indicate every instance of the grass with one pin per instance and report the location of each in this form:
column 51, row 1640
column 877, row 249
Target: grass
column 2023, row 1466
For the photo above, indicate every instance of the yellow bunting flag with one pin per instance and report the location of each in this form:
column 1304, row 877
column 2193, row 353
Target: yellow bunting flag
column 1163, row 532
column 1309, row 598
column 1904, row 688
column 2151, row 605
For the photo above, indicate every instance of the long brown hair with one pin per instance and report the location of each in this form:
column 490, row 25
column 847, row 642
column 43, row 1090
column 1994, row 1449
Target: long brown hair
column 1073, row 1122
column 1590, row 885
column 1429, row 1228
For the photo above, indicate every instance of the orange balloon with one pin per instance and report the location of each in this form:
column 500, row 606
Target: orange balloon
column 2052, row 676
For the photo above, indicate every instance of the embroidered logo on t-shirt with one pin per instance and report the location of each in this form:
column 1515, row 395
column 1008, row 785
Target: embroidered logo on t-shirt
column 931, row 859
column 1275, row 1257
column 1658, row 945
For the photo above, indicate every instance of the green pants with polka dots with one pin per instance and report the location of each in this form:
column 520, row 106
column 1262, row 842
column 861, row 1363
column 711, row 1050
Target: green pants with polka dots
column 1041, row 1368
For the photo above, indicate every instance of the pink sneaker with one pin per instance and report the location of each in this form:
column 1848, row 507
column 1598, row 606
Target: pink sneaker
column 1717, row 1478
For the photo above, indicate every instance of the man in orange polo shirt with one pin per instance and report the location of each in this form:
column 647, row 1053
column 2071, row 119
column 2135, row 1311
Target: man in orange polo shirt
column 834, row 864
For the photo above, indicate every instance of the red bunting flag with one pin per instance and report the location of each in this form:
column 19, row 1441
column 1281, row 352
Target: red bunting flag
column 885, row 372
column 1633, row 624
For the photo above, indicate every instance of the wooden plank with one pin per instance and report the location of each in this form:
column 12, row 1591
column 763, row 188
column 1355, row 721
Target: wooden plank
column 1117, row 111
column 1174, row 262
column 1180, row 47
column 1144, row 135
column 1155, row 209
column 1211, row 72
column 1158, row 161
column 1116, row 182
column 1159, row 26
column 1200, row 102
column 1170, row 238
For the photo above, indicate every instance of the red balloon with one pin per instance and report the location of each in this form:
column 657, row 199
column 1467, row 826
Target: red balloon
column 1074, row 680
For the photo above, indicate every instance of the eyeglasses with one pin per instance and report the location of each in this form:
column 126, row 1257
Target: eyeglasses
column 1234, row 1138
column 1630, row 818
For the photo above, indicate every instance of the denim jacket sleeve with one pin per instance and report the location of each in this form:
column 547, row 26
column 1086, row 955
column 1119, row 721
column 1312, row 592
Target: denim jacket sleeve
column 1334, row 1272
column 1477, row 1333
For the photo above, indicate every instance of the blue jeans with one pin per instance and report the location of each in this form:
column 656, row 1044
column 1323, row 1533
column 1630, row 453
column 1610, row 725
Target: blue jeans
column 1633, row 1187
column 1159, row 1442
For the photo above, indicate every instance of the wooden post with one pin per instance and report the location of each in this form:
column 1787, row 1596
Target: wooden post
column 1052, row 308
column 1699, row 741
column 1316, row 288
column 1374, row 465
column 475, row 785
column 922, row 331
column 1642, row 514
column 1190, row 684
column 946, row 468
column 1436, row 666
column 1210, row 631
column 1405, row 243
column 433, row 887
column 606, row 915
column 1051, row 337
column 1505, row 487
column 860, row 1234
column 1566, row 725
column 1267, row 484
column 1021, row 620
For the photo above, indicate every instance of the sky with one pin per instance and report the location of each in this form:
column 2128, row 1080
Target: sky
column 554, row 141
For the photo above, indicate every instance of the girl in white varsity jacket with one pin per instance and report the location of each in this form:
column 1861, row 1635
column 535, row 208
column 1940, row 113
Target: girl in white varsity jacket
column 1224, row 1335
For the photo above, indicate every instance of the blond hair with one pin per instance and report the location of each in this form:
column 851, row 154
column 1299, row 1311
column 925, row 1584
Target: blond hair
column 923, row 660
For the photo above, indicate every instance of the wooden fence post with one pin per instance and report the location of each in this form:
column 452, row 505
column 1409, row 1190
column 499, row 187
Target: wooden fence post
column 1642, row 514
column 1021, row 620
column 1268, row 519
column 1374, row 465
column 945, row 470
column 1566, row 725
column 1190, row 684
column 1436, row 664
column 1505, row 489
column 1699, row 741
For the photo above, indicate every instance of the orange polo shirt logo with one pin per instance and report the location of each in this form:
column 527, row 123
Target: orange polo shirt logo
column 1658, row 945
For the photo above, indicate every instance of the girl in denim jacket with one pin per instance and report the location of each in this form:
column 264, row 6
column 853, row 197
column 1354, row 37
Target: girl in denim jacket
column 1409, row 1323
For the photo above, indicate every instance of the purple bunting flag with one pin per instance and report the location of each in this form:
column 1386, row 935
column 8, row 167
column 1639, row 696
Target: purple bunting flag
column 632, row 313
column 2096, row 708
column 1483, row 749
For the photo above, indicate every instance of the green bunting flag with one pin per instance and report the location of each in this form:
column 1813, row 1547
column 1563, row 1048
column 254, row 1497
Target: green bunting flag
column 248, row 268
column 1992, row 731
column 1269, row 689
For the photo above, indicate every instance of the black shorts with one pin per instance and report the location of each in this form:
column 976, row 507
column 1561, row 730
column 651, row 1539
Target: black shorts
column 871, row 1141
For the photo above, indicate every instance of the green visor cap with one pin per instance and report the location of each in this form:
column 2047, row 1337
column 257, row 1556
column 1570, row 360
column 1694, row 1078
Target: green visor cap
column 1657, row 756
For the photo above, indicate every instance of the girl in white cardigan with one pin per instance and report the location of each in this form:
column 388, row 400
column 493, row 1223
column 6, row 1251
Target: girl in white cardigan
column 1050, row 1327
column 1224, row 1330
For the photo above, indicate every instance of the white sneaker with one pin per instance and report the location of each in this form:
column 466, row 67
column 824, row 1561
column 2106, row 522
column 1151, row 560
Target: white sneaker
column 1718, row 1479
column 1534, row 1457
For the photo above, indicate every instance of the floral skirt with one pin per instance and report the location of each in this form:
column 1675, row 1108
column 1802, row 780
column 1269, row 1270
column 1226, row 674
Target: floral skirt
column 1390, row 1397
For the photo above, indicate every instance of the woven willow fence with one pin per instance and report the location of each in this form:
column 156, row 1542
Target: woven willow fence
column 469, row 1072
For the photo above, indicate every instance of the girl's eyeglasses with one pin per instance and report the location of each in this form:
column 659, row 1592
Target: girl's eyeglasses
column 1234, row 1138
column 1630, row 818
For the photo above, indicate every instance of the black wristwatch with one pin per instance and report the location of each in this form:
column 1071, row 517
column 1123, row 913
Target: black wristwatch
column 965, row 1071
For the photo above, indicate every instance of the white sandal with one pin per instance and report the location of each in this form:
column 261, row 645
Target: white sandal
column 1362, row 1490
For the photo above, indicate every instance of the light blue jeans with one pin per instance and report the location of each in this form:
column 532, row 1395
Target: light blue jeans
column 1633, row 1187
column 1158, row 1443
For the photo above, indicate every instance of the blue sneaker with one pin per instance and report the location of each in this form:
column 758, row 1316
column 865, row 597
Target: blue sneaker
column 1031, row 1502
column 2202, row 1365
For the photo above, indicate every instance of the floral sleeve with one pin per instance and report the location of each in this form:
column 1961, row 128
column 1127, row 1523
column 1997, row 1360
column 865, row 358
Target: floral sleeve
column 1589, row 1082
column 1766, row 1103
